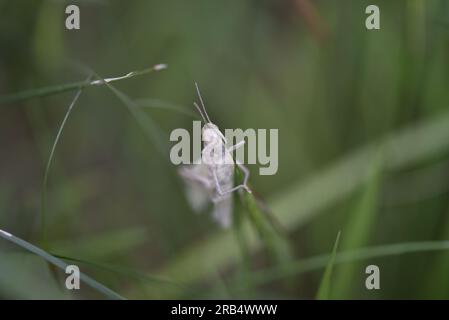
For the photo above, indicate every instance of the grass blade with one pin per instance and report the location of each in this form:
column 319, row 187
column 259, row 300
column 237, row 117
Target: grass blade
column 438, row 280
column 276, row 244
column 160, row 104
column 49, row 162
column 325, row 286
column 358, row 228
column 102, row 245
column 295, row 268
column 124, row 271
column 51, row 90
column 60, row 264
column 152, row 131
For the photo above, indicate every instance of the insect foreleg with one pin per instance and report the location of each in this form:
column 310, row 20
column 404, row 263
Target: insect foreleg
column 236, row 146
column 246, row 175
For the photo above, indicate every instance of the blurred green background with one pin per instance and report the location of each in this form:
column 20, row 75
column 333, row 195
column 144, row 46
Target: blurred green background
column 363, row 119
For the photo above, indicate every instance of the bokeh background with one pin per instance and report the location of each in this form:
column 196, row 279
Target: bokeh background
column 363, row 119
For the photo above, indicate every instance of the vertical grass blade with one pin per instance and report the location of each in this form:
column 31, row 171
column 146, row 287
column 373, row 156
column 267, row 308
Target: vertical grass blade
column 275, row 243
column 358, row 226
column 242, row 241
column 47, row 167
column 438, row 280
column 325, row 285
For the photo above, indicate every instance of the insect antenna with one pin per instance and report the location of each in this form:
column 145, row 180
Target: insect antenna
column 202, row 103
column 199, row 110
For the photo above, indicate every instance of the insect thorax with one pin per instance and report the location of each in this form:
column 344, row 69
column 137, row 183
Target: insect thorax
column 211, row 134
column 215, row 153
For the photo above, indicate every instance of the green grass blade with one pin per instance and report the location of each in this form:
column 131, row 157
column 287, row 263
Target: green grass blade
column 437, row 281
column 123, row 271
column 49, row 162
column 160, row 104
column 41, row 92
column 25, row 276
column 242, row 241
column 276, row 245
column 325, row 286
column 60, row 264
column 358, row 229
column 150, row 128
column 51, row 90
column 295, row 268
column 103, row 245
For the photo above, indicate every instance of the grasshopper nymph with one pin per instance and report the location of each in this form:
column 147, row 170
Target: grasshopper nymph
column 212, row 178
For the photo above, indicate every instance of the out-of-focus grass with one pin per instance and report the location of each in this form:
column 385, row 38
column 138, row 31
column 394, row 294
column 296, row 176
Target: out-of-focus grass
column 47, row 167
column 324, row 291
column 359, row 226
column 299, row 204
column 437, row 282
column 336, row 95
column 59, row 263
column 307, row 265
column 56, row 89
column 103, row 245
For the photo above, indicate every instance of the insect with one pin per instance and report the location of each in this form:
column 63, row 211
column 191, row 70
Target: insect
column 212, row 178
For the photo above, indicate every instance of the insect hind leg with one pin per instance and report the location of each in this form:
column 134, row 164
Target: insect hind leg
column 244, row 185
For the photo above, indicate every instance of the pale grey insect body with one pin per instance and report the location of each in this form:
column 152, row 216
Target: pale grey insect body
column 212, row 178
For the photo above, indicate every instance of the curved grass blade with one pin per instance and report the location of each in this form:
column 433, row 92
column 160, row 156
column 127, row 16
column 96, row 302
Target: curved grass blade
column 60, row 264
column 128, row 272
column 47, row 168
column 152, row 131
column 51, row 90
column 325, row 286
